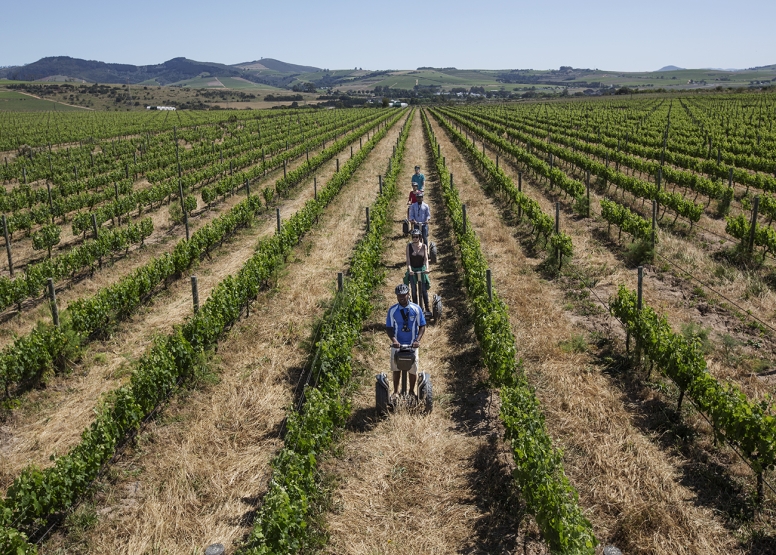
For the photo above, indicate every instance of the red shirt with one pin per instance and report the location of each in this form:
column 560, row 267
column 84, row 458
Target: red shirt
column 412, row 197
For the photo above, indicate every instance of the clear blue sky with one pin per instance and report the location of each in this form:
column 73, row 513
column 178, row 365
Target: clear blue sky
column 342, row 34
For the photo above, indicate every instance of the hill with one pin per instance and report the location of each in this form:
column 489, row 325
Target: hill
column 277, row 65
column 670, row 68
column 170, row 71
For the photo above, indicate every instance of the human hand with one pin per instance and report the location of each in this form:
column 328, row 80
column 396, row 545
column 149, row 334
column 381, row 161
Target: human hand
column 395, row 343
column 415, row 344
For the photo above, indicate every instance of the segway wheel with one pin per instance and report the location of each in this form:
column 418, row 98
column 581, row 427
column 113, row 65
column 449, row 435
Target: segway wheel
column 432, row 252
column 426, row 394
column 382, row 397
column 436, row 308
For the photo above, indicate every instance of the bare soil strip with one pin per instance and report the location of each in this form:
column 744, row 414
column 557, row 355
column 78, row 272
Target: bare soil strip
column 196, row 475
column 411, row 483
column 631, row 489
column 51, row 420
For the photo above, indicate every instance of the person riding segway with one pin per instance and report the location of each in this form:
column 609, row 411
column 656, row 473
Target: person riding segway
column 405, row 325
column 416, row 275
column 420, row 215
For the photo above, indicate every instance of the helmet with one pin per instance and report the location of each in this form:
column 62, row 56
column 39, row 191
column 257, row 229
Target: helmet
column 402, row 289
column 415, row 231
column 419, row 193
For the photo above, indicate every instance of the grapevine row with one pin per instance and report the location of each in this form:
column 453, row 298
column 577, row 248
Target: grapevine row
column 281, row 523
column 37, row 494
column 538, row 464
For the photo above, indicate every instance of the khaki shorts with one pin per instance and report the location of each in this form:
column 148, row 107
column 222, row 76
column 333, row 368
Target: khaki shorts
column 413, row 370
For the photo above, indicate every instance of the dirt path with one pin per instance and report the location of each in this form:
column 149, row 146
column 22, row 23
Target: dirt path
column 630, row 489
column 198, row 472
column 412, row 483
column 52, row 420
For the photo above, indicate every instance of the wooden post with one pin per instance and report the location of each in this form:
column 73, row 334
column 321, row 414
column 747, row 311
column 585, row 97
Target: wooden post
column 488, row 280
column 339, row 281
column 53, row 301
column 337, row 170
column 557, row 217
column 183, row 208
column 439, row 152
column 116, row 188
column 277, row 215
column 451, row 182
column 307, row 151
column 730, row 178
column 463, row 208
column 195, row 293
column 51, row 202
column 587, row 186
column 126, row 170
column 231, row 168
column 367, row 219
column 315, row 187
column 351, row 151
column 94, row 225
column 380, row 183
column 444, row 161
column 24, row 172
column 755, row 209
column 496, row 161
column 654, row 224
column 7, row 245
column 248, row 187
column 359, row 143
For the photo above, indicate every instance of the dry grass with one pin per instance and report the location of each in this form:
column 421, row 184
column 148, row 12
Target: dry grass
column 628, row 486
column 198, row 473
column 51, row 420
column 412, row 483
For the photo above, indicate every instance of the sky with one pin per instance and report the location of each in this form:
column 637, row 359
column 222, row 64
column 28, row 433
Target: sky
column 344, row 34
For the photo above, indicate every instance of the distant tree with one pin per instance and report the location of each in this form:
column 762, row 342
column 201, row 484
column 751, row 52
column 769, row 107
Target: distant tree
column 386, row 101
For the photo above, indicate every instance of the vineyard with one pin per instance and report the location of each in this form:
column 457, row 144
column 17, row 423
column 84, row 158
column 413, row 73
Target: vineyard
column 181, row 365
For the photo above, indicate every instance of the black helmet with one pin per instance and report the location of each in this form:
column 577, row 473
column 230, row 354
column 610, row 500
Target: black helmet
column 416, row 231
column 402, row 289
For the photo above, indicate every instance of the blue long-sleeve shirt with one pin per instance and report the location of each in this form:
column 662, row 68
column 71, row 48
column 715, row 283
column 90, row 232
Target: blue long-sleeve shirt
column 420, row 213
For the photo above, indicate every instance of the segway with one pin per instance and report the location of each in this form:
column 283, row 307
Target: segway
column 435, row 313
column 404, row 358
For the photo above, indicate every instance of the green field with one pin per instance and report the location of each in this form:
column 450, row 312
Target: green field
column 16, row 102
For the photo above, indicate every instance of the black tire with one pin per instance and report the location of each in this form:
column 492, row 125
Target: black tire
column 436, row 308
column 382, row 398
column 432, row 253
column 427, row 395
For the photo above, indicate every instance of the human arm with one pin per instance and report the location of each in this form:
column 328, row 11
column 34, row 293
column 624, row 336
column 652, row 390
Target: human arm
column 392, row 334
column 421, row 331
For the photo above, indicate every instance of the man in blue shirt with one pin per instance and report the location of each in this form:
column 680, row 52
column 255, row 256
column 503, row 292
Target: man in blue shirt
column 420, row 216
column 419, row 178
column 405, row 324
